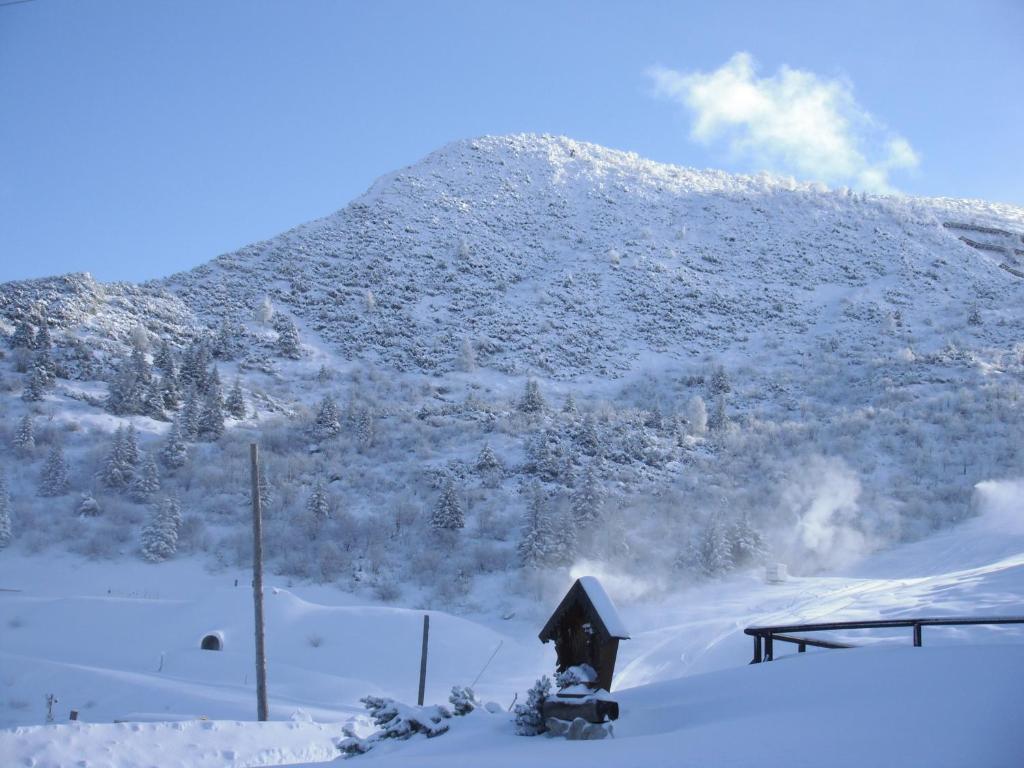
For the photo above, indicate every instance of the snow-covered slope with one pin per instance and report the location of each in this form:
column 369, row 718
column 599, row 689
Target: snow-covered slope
column 688, row 695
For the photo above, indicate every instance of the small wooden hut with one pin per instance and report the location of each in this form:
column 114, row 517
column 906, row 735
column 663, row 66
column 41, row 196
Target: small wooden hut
column 586, row 629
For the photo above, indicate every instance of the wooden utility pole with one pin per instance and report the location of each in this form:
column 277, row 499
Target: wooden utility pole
column 257, row 586
column 423, row 659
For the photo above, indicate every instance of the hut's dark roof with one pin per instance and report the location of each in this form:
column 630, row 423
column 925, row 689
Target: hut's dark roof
column 598, row 607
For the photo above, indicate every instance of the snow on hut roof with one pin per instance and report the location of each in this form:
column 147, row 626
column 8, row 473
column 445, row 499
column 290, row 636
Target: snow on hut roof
column 605, row 607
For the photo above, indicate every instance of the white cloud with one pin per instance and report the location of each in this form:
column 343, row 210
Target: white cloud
column 792, row 122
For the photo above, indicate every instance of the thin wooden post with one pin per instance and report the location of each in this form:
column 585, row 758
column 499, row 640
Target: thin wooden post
column 917, row 635
column 757, row 650
column 257, row 586
column 423, row 660
column 769, row 649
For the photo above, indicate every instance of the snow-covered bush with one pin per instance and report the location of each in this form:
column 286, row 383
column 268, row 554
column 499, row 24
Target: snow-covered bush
column 530, row 714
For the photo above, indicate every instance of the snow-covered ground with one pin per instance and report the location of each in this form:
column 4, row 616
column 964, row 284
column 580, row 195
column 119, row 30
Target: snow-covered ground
column 122, row 643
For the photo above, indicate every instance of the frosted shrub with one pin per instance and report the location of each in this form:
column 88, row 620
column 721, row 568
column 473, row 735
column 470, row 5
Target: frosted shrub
column 529, row 714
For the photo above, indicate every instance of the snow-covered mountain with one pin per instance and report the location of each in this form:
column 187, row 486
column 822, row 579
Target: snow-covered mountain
column 560, row 258
column 859, row 361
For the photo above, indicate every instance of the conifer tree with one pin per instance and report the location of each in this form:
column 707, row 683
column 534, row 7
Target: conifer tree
column 170, row 392
column 318, row 506
column 588, row 498
column 719, row 383
column 189, row 416
column 24, row 437
column 718, row 420
column 43, row 362
column 5, row 513
column 533, row 400
column 748, row 546
column 235, row 403
column 174, row 452
column 160, row 535
column 588, row 438
column 117, row 469
column 146, row 480
column 714, row 547
column 365, row 431
column 211, row 417
column 130, row 447
column 288, row 344
column 448, row 513
column 328, row 419
column 88, row 506
column 24, row 336
column 35, row 385
column 569, row 408
column 538, row 546
column 54, row 479
column 164, row 357
column 43, row 342
column 487, row 461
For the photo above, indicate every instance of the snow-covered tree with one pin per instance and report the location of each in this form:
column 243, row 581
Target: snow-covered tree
column 24, row 336
column 35, row 385
column 569, row 408
column 54, row 478
column 264, row 311
column 719, row 383
column 714, row 550
column 365, row 429
column 448, row 513
column 318, row 507
column 588, row 498
column 533, row 400
column 170, row 390
column 174, row 452
column 588, row 438
column 88, row 506
column 118, row 469
column 235, row 402
column 697, row 416
column 467, row 356
column 539, row 545
column 211, row 416
column 189, row 416
column 5, row 513
column 225, row 343
column 530, row 714
column 160, row 535
column 487, row 460
column 719, row 419
column 747, row 543
column 146, row 480
column 164, row 357
column 24, row 441
column 328, row 419
column 288, row 344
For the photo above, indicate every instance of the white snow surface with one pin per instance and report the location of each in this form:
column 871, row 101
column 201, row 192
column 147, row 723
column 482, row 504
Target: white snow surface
column 687, row 694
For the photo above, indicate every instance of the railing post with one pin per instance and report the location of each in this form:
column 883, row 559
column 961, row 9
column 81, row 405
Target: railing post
column 769, row 651
column 917, row 635
column 802, row 648
column 757, row 650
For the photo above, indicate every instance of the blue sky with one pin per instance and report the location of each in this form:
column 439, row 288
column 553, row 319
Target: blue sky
column 141, row 138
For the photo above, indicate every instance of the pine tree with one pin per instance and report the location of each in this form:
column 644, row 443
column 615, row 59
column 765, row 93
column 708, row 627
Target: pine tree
column 714, row 547
column 718, row 420
column 365, row 431
column 288, row 344
column 5, row 513
column 588, row 438
column 211, row 417
column 318, row 506
column 43, row 342
column 54, row 479
column 43, row 362
column 174, row 452
column 189, row 416
column 125, row 393
column 538, row 546
column 235, row 403
column 588, row 498
column 164, row 357
column 448, row 512
column 160, row 535
column 225, row 345
column 35, row 385
column 117, row 469
column 747, row 543
column 488, row 460
column 146, row 481
column 88, row 506
column 719, row 383
column 24, row 438
column 130, row 447
column 533, row 400
column 328, row 419
column 170, row 391
column 569, row 408
column 24, row 336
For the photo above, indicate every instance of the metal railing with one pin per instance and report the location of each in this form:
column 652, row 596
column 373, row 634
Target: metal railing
column 765, row 637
